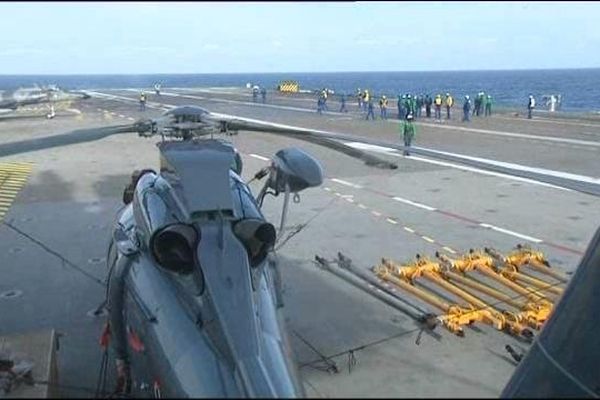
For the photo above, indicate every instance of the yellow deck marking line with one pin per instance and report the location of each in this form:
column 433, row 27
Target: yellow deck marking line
column 9, row 181
column 11, row 189
column 14, row 180
column 15, row 174
column 395, row 222
column 9, row 184
column 15, row 169
column 17, row 163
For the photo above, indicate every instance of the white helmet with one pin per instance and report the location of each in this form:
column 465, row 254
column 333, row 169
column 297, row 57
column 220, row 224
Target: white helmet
column 467, row 97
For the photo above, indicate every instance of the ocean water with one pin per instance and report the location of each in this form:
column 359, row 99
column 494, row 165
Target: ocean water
column 580, row 88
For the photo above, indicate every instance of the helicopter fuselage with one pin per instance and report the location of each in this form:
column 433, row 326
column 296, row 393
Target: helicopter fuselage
column 193, row 298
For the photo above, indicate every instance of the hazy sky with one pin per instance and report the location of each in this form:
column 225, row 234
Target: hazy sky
column 112, row 38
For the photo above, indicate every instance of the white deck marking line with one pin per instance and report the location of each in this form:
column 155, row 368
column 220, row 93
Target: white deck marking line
column 349, row 200
column 428, row 239
column 375, row 213
column 164, row 107
column 391, row 221
column 251, row 103
column 362, row 206
column 484, row 172
column 413, row 203
column 260, row 157
column 543, row 171
column 342, row 182
column 516, row 234
column 327, row 189
column 407, row 229
column 131, row 119
column 122, row 116
column 449, row 250
column 390, row 151
column 393, row 152
column 511, row 134
column 552, row 121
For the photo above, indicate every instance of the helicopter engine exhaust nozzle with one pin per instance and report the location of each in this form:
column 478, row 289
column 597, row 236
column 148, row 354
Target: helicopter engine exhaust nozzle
column 258, row 238
column 174, row 247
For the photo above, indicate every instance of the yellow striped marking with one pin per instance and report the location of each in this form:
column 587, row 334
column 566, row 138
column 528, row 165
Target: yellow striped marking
column 391, row 221
column 17, row 169
column 430, row 240
column 11, row 192
column 10, row 186
column 16, row 179
column 13, row 176
column 407, row 229
column 449, row 250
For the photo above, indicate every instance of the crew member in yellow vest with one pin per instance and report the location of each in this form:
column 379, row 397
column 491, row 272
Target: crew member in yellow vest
column 366, row 99
column 142, row 101
column 449, row 104
column 437, row 102
column 383, row 103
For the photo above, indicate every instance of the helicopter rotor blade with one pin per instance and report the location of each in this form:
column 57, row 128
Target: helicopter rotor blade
column 311, row 136
column 64, row 139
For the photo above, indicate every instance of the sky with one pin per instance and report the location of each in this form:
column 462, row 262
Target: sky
column 196, row 37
